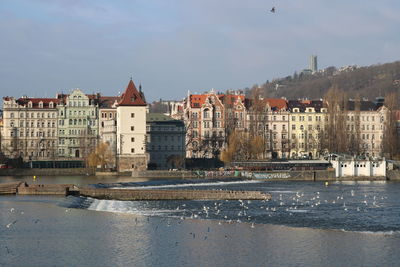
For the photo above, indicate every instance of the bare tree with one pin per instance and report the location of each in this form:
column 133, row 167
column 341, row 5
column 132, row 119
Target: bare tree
column 390, row 138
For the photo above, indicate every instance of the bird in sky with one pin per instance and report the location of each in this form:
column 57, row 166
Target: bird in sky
column 273, row 10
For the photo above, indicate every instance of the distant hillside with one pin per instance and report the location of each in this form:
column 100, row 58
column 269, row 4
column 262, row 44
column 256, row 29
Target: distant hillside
column 369, row 82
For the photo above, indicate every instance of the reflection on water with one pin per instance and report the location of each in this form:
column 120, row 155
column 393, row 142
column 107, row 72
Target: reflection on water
column 47, row 231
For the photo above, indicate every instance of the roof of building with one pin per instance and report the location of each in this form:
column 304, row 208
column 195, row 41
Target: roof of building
column 196, row 101
column 132, row 97
column 365, row 105
column 35, row 102
column 158, row 117
column 108, row 101
column 231, row 99
column 303, row 104
column 276, row 103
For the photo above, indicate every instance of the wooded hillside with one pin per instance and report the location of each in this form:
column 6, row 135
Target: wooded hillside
column 368, row 82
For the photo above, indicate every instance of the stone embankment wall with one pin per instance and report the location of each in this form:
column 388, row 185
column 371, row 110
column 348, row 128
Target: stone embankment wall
column 393, row 175
column 9, row 188
column 46, row 172
column 273, row 175
column 126, row 194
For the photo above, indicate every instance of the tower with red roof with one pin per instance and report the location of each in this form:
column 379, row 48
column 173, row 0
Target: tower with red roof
column 131, row 130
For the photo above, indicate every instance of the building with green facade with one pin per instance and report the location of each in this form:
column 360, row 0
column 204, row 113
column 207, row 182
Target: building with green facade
column 77, row 125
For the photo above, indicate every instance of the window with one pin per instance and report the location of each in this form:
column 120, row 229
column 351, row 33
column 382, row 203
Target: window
column 206, row 114
column 132, row 150
column 293, row 127
column 132, row 128
column 132, row 115
column 132, row 139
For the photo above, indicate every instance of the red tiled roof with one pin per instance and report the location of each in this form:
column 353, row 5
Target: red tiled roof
column 196, row 101
column 131, row 96
column 277, row 103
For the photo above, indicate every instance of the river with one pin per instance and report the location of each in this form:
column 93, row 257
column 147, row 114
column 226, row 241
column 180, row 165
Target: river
column 305, row 224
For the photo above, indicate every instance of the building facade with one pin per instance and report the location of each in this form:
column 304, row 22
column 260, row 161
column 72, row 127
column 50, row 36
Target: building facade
column 365, row 127
column 131, row 130
column 108, row 125
column 165, row 142
column 306, row 123
column 209, row 118
column 78, row 122
column 30, row 128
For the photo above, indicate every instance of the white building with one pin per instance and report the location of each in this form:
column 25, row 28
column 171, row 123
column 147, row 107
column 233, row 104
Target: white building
column 353, row 167
column 131, row 130
column 29, row 128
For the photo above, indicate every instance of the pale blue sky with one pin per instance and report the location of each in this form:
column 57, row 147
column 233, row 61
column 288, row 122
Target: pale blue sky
column 49, row 46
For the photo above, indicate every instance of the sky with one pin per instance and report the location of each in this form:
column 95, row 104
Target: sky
column 175, row 46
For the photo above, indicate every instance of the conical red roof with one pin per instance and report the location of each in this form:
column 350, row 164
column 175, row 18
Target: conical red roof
column 131, row 96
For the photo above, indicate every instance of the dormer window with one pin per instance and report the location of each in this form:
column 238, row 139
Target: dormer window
column 133, row 98
column 295, row 110
column 29, row 104
column 51, row 105
column 40, row 104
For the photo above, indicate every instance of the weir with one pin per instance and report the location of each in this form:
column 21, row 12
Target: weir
column 129, row 194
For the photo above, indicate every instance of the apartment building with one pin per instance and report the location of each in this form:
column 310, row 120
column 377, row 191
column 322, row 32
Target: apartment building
column 78, row 130
column 365, row 126
column 306, row 123
column 29, row 128
column 165, row 142
column 209, row 118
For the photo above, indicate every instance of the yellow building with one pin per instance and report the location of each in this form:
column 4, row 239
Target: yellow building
column 306, row 123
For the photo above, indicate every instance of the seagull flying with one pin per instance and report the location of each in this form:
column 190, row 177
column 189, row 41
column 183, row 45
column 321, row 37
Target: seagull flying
column 273, row 10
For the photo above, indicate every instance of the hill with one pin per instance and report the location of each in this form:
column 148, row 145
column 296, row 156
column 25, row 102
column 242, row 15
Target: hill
column 369, row 82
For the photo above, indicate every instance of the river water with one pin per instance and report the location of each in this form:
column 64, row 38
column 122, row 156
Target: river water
column 305, row 224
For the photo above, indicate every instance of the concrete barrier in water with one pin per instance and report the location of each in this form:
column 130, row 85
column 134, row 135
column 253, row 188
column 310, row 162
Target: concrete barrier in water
column 130, row 194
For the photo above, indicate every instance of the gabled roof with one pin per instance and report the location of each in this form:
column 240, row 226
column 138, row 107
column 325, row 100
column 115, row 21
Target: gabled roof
column 132, row 97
